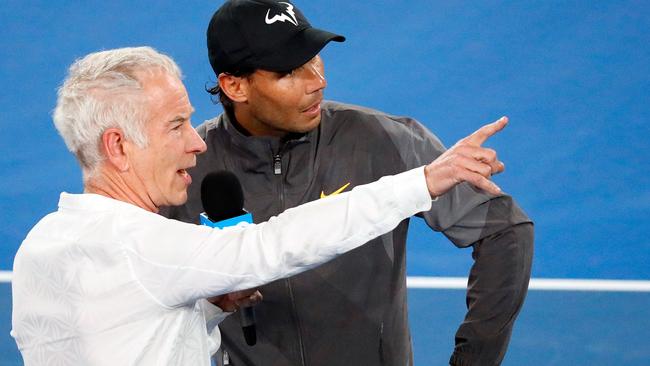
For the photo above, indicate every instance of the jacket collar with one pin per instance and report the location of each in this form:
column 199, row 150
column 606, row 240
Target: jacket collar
column 262, row 143
column 94, row 202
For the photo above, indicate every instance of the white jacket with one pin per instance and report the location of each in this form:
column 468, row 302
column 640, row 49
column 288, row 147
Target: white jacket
column 102, row 281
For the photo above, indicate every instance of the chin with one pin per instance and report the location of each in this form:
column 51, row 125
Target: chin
column 309, row 126
column 177, row 200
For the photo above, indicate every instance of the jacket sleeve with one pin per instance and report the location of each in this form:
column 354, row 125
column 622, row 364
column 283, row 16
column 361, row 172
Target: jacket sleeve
column 502, row 239
column 179, row 263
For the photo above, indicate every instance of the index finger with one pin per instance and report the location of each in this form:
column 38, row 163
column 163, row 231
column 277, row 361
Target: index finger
column 483, row 133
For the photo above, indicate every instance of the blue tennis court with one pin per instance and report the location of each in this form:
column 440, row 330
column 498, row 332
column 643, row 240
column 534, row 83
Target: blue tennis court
column 572, row 76
column 555, row 328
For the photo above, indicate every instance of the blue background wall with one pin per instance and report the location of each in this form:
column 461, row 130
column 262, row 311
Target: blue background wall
column 573, row 76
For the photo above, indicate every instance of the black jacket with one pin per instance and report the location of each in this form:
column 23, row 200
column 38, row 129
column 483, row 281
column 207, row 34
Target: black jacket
column 352, row 310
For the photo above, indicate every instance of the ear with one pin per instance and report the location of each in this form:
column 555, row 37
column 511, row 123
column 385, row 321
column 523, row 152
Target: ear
column 114, row 147
column 235, row 87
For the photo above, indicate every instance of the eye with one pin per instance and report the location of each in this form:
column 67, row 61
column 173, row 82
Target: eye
column 177, row 126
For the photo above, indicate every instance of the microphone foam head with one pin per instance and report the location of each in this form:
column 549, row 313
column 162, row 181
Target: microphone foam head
column 222, row 195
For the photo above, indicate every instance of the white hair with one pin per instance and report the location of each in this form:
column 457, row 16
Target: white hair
column 102, row 91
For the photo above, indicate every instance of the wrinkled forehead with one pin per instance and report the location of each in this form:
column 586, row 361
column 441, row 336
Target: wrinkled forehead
column 164, row 95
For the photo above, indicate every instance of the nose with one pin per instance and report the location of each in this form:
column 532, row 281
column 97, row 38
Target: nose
column 316, row 75
column 195, row 143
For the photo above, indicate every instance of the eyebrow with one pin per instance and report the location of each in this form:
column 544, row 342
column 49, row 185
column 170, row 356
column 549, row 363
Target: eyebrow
column 182, row 118
column 178, row 119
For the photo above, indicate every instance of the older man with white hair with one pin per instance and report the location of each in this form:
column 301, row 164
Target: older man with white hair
column 106, row 280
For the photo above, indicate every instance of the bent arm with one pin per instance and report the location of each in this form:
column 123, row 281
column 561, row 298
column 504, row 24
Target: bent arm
column 497, row 287
column 502, row 239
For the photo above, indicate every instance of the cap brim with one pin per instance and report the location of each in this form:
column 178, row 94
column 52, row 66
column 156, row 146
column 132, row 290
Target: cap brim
column 300, row 49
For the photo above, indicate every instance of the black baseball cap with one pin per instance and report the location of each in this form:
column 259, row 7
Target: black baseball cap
column 262, row 34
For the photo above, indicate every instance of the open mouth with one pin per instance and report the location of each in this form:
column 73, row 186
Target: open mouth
column 186, row 177
column 313, row 109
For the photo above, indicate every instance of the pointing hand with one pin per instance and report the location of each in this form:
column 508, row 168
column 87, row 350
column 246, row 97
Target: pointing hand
column 467, row 161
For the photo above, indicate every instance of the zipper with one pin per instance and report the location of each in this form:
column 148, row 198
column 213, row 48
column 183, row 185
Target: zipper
column 381, row 343
column 226, row 358
column 277, row 166
column 297, row 321
column 277, row 171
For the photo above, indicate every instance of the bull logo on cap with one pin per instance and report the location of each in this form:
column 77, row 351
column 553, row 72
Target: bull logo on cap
column 289, row 16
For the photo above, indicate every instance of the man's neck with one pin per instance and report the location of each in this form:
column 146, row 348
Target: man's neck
column 233, row 120
column 116, row 185
column 284, row 137
column 251, row 127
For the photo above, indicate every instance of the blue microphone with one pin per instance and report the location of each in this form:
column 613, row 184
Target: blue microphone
column 223, row 205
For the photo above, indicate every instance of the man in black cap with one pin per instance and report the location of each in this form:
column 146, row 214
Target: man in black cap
column 288, row 146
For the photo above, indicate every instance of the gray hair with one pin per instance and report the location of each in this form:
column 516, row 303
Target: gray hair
column 102, row 91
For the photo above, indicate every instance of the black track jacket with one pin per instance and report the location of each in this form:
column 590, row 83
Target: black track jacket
column 353, row 310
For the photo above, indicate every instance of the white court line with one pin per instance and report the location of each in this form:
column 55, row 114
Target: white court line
column 589, row 285
column 5, row 276
column 547, row 284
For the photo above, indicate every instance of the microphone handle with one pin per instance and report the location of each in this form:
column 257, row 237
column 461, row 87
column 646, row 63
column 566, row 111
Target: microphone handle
column 247, row 321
